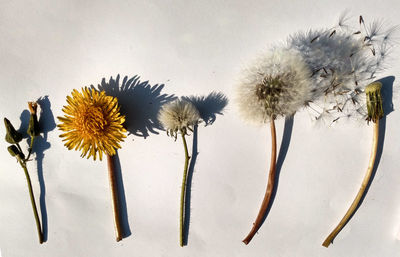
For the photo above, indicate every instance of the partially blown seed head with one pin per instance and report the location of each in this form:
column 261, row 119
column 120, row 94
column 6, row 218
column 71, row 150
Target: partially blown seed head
column 343, row 62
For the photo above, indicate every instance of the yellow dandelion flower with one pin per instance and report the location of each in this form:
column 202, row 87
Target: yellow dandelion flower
column 92, row 123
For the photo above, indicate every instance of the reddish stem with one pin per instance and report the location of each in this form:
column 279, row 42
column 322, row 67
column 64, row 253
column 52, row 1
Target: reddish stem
column 270, row 187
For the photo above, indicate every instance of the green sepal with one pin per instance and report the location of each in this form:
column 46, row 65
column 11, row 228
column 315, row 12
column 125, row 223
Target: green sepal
column 12, row 136
column 15, row 152
column 374, row 101
column 33, row 128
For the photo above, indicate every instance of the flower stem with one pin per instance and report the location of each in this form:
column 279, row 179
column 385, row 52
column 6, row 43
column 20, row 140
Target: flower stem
column 360, row 193
column 183, row 190
column 35, row 212
column 270, row 187
column 30, row 148
column 114, row 197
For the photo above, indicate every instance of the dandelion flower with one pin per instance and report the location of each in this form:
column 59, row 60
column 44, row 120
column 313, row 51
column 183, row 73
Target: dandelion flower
column 92, row 123
column 178, row 117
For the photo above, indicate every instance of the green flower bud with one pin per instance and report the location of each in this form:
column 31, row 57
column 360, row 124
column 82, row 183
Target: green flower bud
column 14, row 151
column 33, row 128
column 12, row 136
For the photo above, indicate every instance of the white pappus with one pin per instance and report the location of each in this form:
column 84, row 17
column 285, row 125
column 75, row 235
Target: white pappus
column 178, row 116
column 276, row 84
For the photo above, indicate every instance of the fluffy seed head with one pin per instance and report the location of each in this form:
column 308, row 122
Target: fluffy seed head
column 92, row 123
column 276, row 84
column 178, row 116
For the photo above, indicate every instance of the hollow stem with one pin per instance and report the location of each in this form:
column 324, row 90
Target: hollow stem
column 360, row 193
column 35, row 212
column 114, row 197
column 270, row 187
column 183, row 191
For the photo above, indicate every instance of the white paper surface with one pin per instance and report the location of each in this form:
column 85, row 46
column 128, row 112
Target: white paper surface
column 48, row 48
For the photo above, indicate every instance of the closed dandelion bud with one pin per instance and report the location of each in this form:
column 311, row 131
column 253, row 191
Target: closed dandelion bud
column 374, row 101
column 14, row 151
column 33, row 128
column 12, row 136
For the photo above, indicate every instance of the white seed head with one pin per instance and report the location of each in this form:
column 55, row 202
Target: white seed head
column 178, row 116
column 276, row 84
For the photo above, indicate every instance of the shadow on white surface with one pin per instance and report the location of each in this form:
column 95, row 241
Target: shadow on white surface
column 283, row 150
column 126, row 230
column 209, row 107
column 140, row 103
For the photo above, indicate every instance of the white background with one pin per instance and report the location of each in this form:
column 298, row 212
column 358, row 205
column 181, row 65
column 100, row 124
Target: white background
column 193, row 47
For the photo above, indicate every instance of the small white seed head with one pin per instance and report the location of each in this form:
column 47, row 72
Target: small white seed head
column 178, row 116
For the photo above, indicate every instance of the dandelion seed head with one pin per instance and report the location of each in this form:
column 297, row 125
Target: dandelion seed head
column 275, row 84
column 178, row 116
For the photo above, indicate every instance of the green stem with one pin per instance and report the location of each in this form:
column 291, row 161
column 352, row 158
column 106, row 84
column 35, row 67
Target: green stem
column 19, row 148
column 183, row 190
column 30, row 148
column 28, row 180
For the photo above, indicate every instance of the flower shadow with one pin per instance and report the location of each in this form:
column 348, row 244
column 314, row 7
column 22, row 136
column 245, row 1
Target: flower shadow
column 140, row 103
column 126, row 230
column 208, row 107
column 283, row 150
